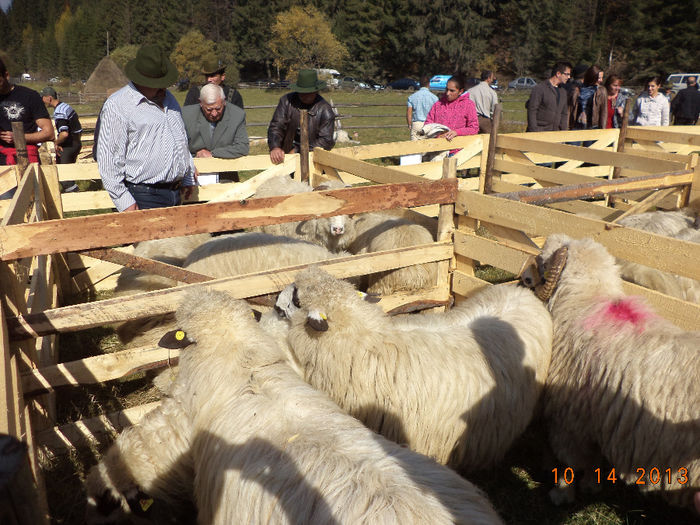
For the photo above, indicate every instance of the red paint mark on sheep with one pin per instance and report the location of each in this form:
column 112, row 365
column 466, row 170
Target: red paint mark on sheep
column 624, row 312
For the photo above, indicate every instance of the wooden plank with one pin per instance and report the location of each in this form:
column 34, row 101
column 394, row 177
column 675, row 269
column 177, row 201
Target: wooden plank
column 92, row 431
column 363, row 169
column 541, row 173
column 409, row 147
column 23, row 200
column 491, row 252
column 646, row 203
column 608, row 158
column 664, row 253
column 8, row 179
column 97, row 369
column 98, row 231
column 82, row 316
column 665, row 134
column 600, row 188
column 446, row 227
column 467, row 285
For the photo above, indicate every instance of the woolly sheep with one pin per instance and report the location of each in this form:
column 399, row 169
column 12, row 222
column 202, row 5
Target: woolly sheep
column 677, row 224
column 459, row 388
column 374, row 232
column 266, row 447
column 624, row 384
column 171, row 251
column 229, row 255
column 328, row 232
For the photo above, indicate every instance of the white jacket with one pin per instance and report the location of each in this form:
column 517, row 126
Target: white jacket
column 651, row 111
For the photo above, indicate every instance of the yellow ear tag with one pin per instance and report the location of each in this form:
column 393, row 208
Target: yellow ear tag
column 146, row 503
column 179, row 335
column 323, row 316
column 253, row 314
column 360, row 294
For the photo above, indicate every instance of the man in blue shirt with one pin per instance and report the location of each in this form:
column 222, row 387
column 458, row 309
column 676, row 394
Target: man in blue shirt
column 419, row 105
column 68, row 127
column 142, row 149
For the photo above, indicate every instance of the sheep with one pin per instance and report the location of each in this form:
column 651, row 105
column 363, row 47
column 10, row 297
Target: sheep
column 264, row 446
column 225, row 256
column 374, row 232
column 677, row 224
column 624, row 383
column 171, row 251
column 459, row 388
column 328, row 232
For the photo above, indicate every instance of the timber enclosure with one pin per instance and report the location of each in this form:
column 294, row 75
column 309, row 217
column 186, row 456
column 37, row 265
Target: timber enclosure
column 518, row 199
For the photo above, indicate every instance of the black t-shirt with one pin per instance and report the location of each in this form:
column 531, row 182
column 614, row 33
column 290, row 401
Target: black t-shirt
column 24, row 105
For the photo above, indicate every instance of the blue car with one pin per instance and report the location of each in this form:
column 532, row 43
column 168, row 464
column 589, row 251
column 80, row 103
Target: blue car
column 439, row 82
column 404, row 83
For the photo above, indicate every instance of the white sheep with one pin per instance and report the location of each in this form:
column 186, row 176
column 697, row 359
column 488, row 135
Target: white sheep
column 265, row 447
column 230, row 255
column 677, row 224
column 374, row 232
column 171, row 251
column 624, row 383
column 328, row 232
column 460, row 387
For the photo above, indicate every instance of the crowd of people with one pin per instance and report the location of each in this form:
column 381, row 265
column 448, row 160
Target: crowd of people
column 145, row 142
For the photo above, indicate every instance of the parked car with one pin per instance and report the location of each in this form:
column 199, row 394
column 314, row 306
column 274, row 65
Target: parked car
column 439, row 82
column 54, row 80
column 471, row 82
column 404, row 83
column 352, row 83
column 373, row 84
column 679, row 81
column 626, row 91
column 522, row 83
column 494, row 85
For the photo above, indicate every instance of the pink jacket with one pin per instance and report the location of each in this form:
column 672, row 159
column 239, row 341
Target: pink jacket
column 458, row 115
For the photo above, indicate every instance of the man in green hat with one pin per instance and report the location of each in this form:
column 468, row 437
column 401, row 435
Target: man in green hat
column 283, row 133
column 214, row 73
column 142, row 151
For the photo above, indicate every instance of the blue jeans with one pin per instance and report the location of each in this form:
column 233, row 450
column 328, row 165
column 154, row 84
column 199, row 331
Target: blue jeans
column 148, row 197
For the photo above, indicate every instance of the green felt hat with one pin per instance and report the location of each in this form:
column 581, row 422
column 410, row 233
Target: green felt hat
column 308, row 82
column 151, row 68
column 211, row 66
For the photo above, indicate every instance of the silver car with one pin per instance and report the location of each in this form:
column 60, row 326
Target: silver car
column 522, row 83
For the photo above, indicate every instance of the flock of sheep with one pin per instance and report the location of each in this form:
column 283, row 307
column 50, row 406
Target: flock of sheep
column 324, row 409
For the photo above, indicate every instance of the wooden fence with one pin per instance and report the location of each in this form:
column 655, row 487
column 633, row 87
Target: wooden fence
column 42, row 267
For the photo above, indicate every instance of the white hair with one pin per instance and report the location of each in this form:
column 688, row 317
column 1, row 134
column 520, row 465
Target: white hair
column 211, row 93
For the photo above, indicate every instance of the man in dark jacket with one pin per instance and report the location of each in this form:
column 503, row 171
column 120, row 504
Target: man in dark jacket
column 686, row 106
column 214, row 73
column 284, row 135
column 547, row 108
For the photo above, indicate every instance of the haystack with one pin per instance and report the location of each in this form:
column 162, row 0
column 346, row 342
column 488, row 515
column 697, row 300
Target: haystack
column 106, row 77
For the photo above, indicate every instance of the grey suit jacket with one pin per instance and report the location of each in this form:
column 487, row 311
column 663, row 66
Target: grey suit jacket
column 230, row 138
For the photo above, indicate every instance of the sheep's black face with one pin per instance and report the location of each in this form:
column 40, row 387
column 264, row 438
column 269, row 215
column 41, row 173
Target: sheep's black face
column 287, row 302
column 175, row 339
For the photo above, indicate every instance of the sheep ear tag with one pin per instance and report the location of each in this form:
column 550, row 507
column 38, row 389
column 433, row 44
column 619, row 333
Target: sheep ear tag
column 257, row 315
column 317, row 321
column 175, row 339
column 370, row 297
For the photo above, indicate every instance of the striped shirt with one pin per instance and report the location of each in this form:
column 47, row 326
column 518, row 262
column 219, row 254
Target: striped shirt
column 66, row 119
column 141, row 143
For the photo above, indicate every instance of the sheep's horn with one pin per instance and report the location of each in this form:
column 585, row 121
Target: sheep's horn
column 557, row 262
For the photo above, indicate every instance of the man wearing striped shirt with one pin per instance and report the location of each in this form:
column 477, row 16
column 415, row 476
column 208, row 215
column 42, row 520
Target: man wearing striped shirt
column 68, row 127
column 142, row 151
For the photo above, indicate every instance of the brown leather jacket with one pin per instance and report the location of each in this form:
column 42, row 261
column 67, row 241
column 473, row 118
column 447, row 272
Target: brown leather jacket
column 285, row 124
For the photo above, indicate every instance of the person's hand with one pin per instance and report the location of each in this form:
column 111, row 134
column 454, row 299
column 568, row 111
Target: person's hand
column 133, row 207
column 202, row 153
column 449, row 135
column 59, row 150
column 6, row 136
column 277, row 155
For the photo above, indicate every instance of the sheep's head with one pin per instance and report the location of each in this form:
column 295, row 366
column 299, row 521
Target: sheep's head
column 337, row 225
column 318, row 296
column 543, row 275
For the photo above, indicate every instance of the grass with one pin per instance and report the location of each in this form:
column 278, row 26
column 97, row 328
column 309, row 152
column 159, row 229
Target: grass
column 517, row 487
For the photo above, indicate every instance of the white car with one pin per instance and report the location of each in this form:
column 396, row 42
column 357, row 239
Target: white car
column 522, row 83
column 678, row 81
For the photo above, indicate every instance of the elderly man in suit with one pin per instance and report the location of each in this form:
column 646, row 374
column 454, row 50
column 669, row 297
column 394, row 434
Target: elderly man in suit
column 215, row 129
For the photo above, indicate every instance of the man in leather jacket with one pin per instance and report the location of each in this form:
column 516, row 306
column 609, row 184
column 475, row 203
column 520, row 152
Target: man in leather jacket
column 284, row 135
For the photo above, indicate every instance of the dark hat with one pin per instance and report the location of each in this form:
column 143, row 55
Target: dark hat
column 579, row 70
column 307, row 82
column 151, row 68
column 211, row 66
column 48, row 91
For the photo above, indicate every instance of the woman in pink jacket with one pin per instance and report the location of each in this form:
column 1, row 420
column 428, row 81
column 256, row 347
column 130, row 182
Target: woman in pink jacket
column 455, row 110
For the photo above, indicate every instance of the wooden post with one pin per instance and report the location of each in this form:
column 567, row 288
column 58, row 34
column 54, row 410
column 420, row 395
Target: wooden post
column 488, row 176
column 304, row 148
column 623, row 136
column 21, row 147
column 446, row 226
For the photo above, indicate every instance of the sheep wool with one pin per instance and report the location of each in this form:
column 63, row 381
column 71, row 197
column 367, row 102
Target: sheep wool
column 265, row 447
column 624, row 383
column 458, row 387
